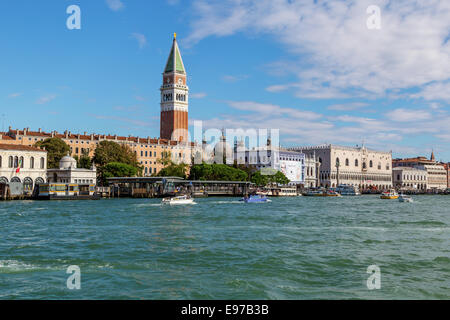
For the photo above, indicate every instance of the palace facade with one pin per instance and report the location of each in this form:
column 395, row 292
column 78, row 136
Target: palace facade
column 358, row 166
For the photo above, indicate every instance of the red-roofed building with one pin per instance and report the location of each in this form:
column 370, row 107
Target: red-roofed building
column 147, row 150
column 437, row 175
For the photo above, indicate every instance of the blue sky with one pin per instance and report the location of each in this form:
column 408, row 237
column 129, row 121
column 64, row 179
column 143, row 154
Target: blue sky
column 309, row 68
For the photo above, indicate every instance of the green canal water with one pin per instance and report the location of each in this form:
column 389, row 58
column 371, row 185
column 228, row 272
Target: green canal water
column 291, row 248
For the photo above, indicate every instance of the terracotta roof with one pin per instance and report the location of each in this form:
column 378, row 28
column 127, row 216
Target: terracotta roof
column 6, row 137
column 19, row 147
column 70, row 135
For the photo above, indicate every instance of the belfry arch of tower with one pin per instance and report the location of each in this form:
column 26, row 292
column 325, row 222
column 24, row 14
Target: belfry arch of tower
column 174, row 97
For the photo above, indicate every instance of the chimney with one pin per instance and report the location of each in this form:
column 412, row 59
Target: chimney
column 66, row 133
column 40, row 130
column 24, row 131
column 115, row 137
column 92, row 137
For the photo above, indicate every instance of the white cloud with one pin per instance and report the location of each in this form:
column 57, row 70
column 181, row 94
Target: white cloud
column 199, row 95
column 115, row 5
column 46, row 99
column 336, row 55
column 15, row 95
column 408, row 115
column 348, row 106
column 435, row 91
column 235, row 78
column 141, row 39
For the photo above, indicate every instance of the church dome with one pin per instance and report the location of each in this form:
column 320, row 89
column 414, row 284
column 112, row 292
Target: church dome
column 67, row 162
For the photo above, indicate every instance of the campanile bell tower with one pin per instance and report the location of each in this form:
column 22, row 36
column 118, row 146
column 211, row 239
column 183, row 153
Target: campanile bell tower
column 174, row 97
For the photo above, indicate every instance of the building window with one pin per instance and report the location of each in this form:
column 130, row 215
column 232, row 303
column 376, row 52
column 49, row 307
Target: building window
column 42, row 163
column 16, row 162
column 0, row 161
column 347, row 162
column 371, row 163
column 21, row 162
column 10, row 162
column 356, row 163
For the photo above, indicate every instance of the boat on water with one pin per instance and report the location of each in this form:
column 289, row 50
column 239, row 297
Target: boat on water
column 405, row 198
column 391, row 194
column 178, row 200
column 321, row 193
column 348, row 190
column 255, row 199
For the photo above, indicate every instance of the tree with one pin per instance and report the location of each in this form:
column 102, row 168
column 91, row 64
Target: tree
column 259, row 179
column 84, row 161
column 56, row 149
column 108, row 152
column 279, row 178
column 263, row 179
column 220, row 172
column 174, row 170
column 118, row 169
column 166, row 159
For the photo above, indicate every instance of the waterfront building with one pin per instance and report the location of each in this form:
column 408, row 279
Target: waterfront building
column 174, row 98
column 437, row 175
column 410, row 178
column 69, row 173
column 447, row 170
column 356, row 166
column 148, row 150
column 23, row 164
column 299, row 168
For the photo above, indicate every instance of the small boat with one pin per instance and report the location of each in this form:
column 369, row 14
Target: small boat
column 178, row 200
column 405, row 198
column 255, row 198
column 332, row 193
column 391, row 194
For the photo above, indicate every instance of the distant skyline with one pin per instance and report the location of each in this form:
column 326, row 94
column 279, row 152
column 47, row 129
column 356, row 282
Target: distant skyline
column 312, row 69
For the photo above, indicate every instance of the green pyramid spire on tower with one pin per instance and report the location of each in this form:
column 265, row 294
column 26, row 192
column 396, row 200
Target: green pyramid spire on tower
column 174, row 63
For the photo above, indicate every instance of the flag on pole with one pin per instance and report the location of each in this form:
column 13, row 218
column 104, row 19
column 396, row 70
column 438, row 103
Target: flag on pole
column 18, row 167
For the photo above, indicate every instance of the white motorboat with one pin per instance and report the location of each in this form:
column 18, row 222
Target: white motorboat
column 405, row 198
column 178, row 200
